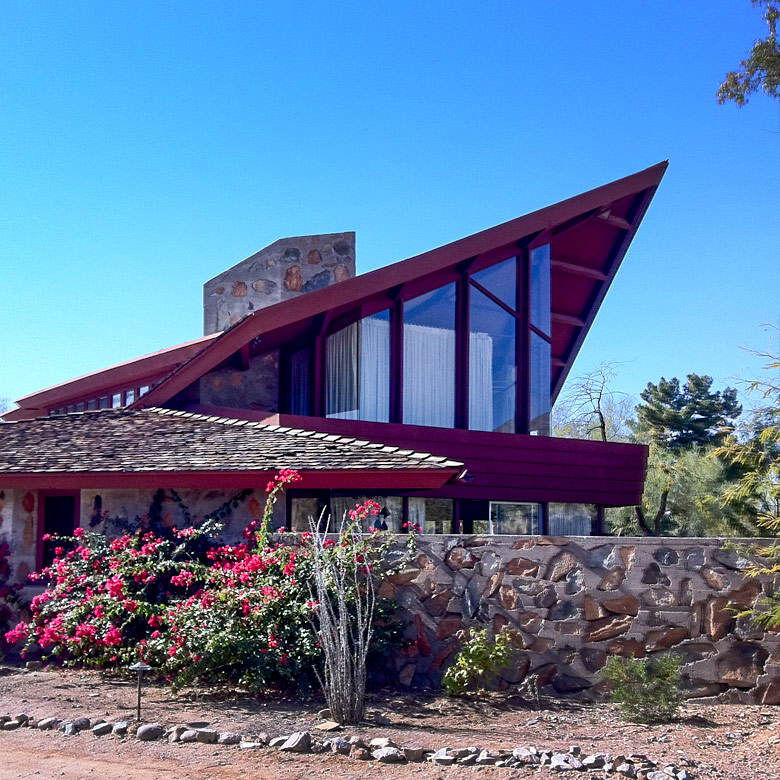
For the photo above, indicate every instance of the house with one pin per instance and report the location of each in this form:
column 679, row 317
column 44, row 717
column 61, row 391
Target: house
column 426, row 385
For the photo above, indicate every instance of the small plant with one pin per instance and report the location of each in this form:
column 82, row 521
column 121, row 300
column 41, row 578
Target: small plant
column 645, row 690
column 477, row 662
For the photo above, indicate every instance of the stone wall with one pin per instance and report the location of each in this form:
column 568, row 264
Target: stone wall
column 286, row 269
column 575, row 601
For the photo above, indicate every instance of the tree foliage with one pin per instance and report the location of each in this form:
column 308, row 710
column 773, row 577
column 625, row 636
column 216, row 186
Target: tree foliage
column 756, row 455
column 677, row 417
column 761, row 69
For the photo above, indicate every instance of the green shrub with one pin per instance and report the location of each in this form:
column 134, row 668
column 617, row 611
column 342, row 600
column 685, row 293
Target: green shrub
column 645, row 690
column 477, row 662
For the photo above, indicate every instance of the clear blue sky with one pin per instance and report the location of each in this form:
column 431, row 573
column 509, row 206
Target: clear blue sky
column 147, row 146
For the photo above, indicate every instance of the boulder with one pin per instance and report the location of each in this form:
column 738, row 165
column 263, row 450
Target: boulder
column 742, row 665
column 101, row 729
column 228, row 738
column 626, row 648
column 414, row 753
column 149, row 732
column 206, row 736
column 522, row 567
column 560, row 566
column 622, row 605
column 606, row 628
column 389, row 755
column 299, row 742
column 613, row 579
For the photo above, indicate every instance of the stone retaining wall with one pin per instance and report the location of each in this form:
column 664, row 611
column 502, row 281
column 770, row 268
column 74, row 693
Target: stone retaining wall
column 575, row 601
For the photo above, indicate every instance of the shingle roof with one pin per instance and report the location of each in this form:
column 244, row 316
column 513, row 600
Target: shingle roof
column 126, row 441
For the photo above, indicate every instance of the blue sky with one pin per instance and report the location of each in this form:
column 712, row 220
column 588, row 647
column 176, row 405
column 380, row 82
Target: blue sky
column 145, row 147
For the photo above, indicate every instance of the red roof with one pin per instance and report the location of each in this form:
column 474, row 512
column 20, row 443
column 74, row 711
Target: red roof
column 589, row 233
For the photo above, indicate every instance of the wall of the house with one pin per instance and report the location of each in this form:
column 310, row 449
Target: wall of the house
column 127, row 510
column 574, row 602
column 285, row 269
column 19, row 527
column 256, row 388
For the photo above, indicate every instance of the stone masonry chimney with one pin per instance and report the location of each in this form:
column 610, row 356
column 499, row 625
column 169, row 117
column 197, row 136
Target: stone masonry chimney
column 286, row 269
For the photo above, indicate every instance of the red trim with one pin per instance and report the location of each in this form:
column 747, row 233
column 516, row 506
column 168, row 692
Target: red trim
column 414, row 272
column 347, row 479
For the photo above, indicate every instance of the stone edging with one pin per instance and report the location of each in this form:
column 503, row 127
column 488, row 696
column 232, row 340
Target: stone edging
column 381, row 749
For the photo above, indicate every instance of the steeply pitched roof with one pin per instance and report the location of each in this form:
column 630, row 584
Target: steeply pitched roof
column 592, row 231
column 151, row 446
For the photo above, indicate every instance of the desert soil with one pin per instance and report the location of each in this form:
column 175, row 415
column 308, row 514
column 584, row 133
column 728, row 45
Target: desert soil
column 734, row 742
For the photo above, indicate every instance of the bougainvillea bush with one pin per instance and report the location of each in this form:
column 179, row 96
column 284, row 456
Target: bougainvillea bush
column 195, row 610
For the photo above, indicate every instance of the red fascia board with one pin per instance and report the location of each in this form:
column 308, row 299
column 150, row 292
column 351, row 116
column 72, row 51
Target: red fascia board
column 344, row 479
column 128, row 373
column 379, row 281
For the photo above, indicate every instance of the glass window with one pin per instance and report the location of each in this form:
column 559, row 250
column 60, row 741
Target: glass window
column 116, row 400
column 358, row 378
column 514, row 518
column 540, row 288
column 103, row 402
column 429, row 359
column 143, row 390
column 129, row 397
column 501, row 280
column 433, row 515
column 300, row 381
column 389, row 518
column 492, row 366
column 71, row 409
column 91, row 405
column 540, row 386
column 570, row 519
column 80, row 406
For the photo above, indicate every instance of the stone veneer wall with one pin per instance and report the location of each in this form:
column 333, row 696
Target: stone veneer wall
column 575, row 601
column 285, row 269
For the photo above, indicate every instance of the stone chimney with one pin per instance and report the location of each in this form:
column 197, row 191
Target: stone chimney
column 286, row 269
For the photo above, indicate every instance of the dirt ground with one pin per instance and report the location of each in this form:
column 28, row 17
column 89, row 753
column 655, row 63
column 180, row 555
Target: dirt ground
column 721, row 741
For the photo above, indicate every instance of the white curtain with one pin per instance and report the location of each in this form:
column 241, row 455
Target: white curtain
column 480, row 382
column 569, row 519
column 429, row 376
column 358, row 385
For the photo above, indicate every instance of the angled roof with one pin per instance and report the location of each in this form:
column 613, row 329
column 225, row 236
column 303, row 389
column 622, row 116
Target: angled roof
column 160, row 447
column 126, row 374
column 590, row 234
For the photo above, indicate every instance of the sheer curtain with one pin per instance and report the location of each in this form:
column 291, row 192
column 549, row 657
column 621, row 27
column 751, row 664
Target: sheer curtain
column 358, row 366
column 480, row 382
column 429, row 376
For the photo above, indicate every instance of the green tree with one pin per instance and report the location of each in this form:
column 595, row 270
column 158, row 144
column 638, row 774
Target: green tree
column 682, row 497
column 755, row 456
column 761, row 70
column 680, row 417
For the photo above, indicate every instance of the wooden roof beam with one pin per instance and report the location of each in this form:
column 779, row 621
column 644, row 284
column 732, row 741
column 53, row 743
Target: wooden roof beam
column 618, row 222
column 567, row 319
column 578, row 270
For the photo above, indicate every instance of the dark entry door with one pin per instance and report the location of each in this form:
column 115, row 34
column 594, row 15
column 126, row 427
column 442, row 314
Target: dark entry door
column 59, row 518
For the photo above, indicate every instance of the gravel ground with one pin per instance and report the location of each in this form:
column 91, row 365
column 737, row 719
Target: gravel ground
column 718, row 741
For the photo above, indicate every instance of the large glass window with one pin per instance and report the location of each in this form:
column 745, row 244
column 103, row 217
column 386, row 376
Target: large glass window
column 514, row 518
column 429, row 359
column 358, row 370
column 492, row 366
column 540, row 288
column 540, row 386
column 501, row 280
column 570, row 519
